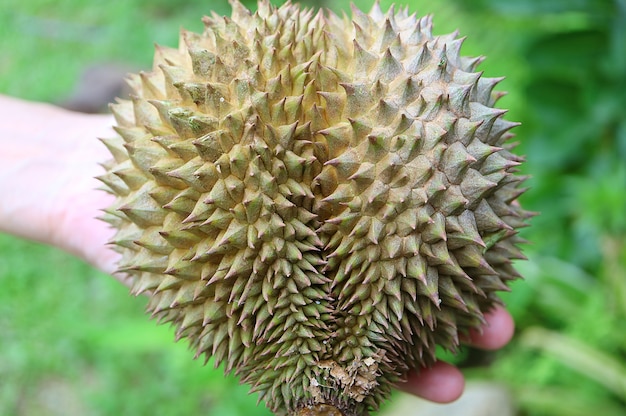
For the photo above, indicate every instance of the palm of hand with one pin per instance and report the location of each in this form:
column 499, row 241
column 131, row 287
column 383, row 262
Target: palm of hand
column 47, row 176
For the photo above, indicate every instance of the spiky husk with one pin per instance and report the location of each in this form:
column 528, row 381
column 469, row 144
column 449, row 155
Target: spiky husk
column 316, row 202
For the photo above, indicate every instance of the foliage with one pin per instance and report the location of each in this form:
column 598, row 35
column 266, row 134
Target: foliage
column 571, row 310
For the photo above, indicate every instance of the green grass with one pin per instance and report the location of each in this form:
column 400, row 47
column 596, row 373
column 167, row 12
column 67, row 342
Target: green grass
column 68, row 328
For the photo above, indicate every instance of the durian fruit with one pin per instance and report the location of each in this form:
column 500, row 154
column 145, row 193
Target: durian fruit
column 316, row 202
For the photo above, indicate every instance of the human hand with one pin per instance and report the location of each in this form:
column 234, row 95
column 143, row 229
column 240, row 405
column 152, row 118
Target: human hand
column 47, row 165
column 444, row 383
column 48, row 162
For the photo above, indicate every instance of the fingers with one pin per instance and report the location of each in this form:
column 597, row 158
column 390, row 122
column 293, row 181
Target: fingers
column 444, row 383
column 496, row 333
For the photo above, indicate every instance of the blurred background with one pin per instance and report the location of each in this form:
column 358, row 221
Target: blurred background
column 74, row 342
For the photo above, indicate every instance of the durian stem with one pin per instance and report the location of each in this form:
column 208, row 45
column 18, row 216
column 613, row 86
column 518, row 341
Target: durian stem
column 319, row 410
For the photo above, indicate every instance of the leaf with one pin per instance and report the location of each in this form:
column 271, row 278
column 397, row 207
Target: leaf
column 569, row 55
column 556, row 102
column 530, row 7
column 556, row 401
column 594, row 364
